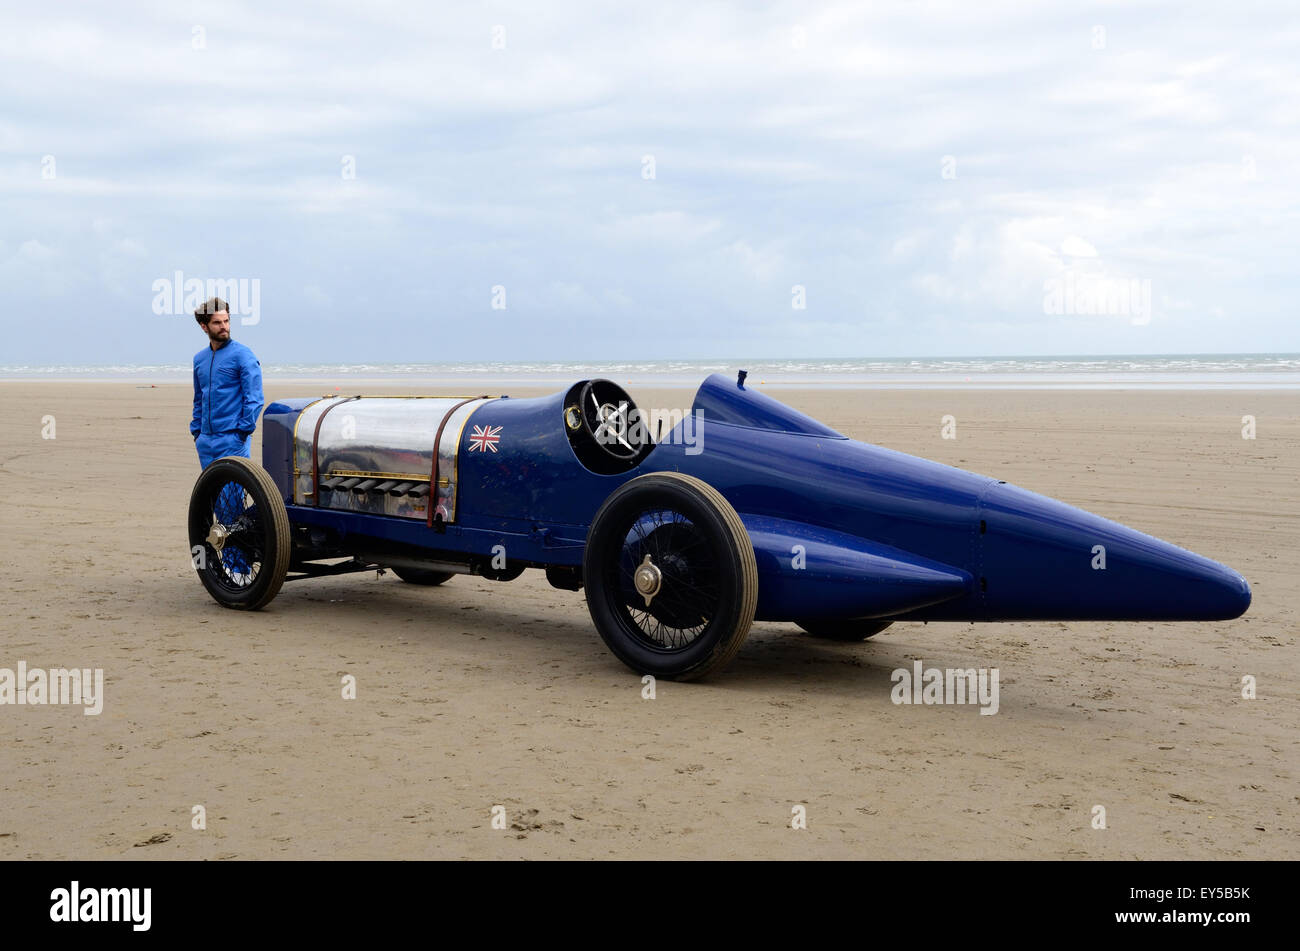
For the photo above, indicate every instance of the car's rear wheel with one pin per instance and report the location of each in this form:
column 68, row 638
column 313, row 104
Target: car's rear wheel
column 671, row 578
column 239, row 533
column 844, row 630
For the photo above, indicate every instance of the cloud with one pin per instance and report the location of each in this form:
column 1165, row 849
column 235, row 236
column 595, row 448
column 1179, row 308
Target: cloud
column 793, row 143
column 1074, row 246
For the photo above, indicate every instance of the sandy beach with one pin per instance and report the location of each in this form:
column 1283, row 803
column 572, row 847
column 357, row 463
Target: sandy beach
column 478, row 694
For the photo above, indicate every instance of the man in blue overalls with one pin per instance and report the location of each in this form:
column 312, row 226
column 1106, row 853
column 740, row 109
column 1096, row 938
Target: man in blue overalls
column 227, row 403
column 227, row 389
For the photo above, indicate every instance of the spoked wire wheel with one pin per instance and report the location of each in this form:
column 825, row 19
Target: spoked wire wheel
column 239, row 533
column 671, row 579
column 668, row 579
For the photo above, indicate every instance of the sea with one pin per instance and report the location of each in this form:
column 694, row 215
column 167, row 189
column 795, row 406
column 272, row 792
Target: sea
column 1185, row 371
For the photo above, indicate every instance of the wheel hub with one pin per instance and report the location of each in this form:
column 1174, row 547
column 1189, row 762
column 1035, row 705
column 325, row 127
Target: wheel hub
column 217, row 536
column 648, row 580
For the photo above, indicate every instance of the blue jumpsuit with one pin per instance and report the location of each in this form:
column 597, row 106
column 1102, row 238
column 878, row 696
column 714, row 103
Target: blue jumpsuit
column 227, row 403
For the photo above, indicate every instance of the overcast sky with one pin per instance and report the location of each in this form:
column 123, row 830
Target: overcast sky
column 655, row 179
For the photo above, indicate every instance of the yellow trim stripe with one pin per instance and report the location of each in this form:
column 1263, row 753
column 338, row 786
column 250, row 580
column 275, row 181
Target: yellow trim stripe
column 294, row 454
column 402, row 476
column 431, row 396
column 455, row 456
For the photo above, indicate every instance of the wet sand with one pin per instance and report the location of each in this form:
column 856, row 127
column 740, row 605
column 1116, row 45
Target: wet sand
column 477, row 694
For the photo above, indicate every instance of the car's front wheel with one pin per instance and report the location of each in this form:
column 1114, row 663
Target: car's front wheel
column 239, row 533
column 671, row 578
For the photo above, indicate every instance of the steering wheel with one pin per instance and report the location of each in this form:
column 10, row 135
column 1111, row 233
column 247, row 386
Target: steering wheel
column 611, row 420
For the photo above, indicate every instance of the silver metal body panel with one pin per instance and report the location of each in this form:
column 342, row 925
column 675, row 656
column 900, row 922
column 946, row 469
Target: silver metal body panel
column 386, row 438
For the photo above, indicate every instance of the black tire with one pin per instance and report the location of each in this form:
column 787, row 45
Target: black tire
column 423, row 576
column 704, row 574
column 858, row 630
column 239, row 533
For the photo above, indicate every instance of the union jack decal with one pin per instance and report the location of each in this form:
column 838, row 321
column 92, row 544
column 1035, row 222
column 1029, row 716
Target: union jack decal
column 484, row 439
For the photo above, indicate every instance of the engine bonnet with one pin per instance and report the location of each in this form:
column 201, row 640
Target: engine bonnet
column 387, row 439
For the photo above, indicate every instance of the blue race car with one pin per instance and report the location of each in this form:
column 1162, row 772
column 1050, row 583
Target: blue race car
column 683, row 530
